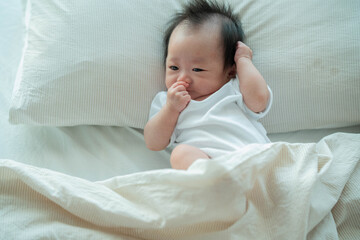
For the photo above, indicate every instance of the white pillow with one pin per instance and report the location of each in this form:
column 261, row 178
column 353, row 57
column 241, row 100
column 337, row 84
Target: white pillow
column 90, row 62
column 100, row 62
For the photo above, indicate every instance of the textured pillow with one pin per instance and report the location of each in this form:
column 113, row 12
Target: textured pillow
column 100, row 62
column 90, row 62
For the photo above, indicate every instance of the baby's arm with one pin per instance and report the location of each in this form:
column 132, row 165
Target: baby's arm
column 158, row 130
column 252, row 84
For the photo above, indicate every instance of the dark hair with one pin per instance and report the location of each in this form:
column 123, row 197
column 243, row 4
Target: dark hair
column 199, row 11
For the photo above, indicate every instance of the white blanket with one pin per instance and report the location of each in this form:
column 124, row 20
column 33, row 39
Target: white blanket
column 272, row 191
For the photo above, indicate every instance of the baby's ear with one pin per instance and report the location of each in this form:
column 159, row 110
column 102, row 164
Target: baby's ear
column 232, row 71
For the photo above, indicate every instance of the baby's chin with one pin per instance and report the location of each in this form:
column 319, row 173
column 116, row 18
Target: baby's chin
column 193, row 95
column 199, row 97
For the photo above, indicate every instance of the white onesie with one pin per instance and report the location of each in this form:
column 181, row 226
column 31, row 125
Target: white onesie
column 218, row 124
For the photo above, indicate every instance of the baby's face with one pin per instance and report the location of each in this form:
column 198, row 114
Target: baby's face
column 195, row 56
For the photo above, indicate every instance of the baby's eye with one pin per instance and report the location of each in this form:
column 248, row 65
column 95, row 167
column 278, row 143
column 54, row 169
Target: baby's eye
column 197, row 69
column 174, row 68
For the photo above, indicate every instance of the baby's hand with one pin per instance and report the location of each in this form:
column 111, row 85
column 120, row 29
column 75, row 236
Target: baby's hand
column 177, row 96
column 242, row 51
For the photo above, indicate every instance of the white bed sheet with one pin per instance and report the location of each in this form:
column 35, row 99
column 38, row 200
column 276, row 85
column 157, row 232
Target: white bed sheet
column 89, row 152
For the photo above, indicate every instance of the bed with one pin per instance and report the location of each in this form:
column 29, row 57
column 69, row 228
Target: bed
column 77, row 81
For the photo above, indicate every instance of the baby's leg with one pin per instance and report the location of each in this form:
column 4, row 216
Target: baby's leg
column 184, row 155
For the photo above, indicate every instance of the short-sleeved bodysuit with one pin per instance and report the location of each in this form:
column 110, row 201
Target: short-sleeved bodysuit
column 218, row 124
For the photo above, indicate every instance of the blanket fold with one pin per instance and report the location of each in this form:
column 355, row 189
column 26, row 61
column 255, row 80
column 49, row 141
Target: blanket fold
column 272, row 191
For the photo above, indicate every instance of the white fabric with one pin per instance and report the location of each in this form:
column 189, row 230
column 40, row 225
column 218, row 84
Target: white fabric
column 270, row 191
column 218, row 124
column 99, row 62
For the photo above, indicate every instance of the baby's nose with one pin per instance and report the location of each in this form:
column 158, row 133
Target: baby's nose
column 184, row 78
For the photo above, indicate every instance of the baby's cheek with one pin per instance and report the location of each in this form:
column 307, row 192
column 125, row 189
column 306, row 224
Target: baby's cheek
column 168, row 83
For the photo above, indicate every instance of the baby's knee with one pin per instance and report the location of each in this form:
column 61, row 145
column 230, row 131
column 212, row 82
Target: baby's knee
column 177, row 156
column 184, row 155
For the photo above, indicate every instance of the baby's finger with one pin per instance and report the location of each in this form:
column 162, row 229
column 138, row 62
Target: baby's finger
column 187, row 97
column 183, row 93
column 184, row 98
column 180, row 87
column 241, row 44
column 180, row 83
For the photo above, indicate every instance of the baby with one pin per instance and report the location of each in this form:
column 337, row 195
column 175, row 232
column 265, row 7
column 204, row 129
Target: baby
column 207, row 111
